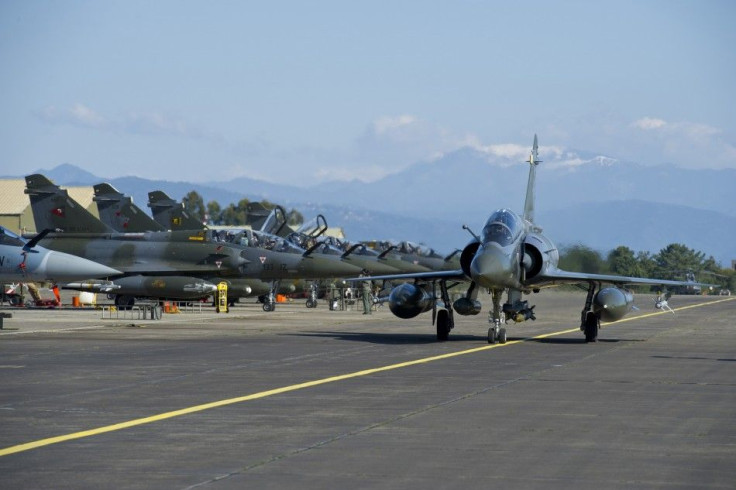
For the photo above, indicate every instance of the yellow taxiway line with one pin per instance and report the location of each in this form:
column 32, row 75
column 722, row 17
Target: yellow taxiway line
column 285, row 389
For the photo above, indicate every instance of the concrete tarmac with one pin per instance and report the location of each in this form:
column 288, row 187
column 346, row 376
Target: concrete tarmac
column 314, row 399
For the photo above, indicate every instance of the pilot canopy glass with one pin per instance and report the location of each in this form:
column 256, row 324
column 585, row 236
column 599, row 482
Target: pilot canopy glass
column 7, row 237
column 503, row 227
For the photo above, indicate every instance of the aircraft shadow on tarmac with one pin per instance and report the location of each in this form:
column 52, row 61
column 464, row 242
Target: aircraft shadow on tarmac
column 694, row 358
column 388, row 338
column 397, row 338
column 567, row 340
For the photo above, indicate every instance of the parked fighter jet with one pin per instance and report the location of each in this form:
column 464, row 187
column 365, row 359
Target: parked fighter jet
column 179, row 264
column 308, row 260
column 512, row 255
column 418, row 254
column 22, row 260
column 160, row 264
column 389, row 254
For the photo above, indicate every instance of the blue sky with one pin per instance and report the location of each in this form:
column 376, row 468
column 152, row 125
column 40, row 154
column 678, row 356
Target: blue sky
column 302, row 92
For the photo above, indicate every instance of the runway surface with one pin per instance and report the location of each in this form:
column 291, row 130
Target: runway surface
column 320, row 399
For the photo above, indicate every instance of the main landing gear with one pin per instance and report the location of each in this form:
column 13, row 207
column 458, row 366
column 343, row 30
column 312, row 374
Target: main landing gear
column 269, row 302
column 444, row 325
column 312, row 300
column 445, row 320
column 589, row 321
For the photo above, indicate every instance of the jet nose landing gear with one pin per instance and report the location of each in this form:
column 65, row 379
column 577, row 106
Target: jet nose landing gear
column 497, row 334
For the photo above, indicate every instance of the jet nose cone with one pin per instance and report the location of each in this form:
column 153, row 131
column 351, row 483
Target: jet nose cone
column 493, row 267
column 64, row 267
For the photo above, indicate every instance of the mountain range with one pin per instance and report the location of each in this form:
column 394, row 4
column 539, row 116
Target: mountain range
column 590, row 200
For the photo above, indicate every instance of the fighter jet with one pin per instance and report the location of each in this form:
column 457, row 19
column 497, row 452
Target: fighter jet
column 419, row 255
column 309, row 259
column 22, row 261
column 156, row 264
column 180, row 264
column 511, row 255
column 119, row 212
column 388, row 253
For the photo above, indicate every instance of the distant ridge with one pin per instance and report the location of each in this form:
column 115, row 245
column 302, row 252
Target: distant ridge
column 67, row 172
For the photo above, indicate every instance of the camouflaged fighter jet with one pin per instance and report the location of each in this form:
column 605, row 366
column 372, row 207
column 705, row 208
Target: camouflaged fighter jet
column 389, row 254
column 119, row 212
column 513, row 256
column 269, row 270
column 23, row 261
column 313, row 264
column 419, row 255
column 311, row 236
column 153, row 264
column 158, row 270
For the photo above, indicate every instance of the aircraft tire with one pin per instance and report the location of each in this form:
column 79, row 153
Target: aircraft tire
column 443, row 325
column 311, row 303
column 268, row 306
column 491, row 335
column 124, row 301
column 591, row 327
column 502, row 335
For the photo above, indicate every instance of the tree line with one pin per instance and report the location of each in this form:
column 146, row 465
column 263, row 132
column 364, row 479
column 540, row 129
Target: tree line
column 676, row 262
column 232, row 215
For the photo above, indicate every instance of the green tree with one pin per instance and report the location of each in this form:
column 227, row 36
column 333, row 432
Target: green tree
column 235, row 215
column 194, row 205
column 214, row 211
column 676, row 259
column 623, row 262
column 646, row 263
column 579, row 258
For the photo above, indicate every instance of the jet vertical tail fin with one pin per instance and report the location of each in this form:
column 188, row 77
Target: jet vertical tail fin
column 120, row 213
column 530, row 190
column 53, row 208
column 171, row 214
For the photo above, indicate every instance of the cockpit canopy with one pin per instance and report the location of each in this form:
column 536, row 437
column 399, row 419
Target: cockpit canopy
column 254, row 238
column 503, row 227
column 418, row 249
column 7, row 237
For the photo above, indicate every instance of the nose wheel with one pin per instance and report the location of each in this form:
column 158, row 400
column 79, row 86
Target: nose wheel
column 497, row 334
